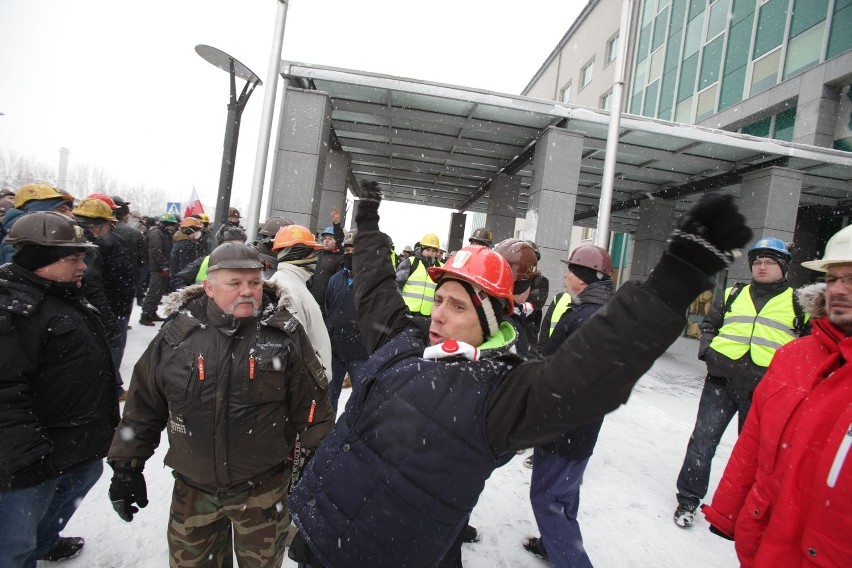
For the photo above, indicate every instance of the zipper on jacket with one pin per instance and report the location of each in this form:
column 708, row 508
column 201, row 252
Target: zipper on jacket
column 840, row 458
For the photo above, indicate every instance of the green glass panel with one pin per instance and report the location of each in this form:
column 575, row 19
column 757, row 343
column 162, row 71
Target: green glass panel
column 807, row 13
column 840, row 39
column 694, row 35
column 651, row 99
column 759, row 128
column 678, row 11
column 665, row 114
column 649, row 9
column 696, row 7
column 710, row 63
column 784, row 123
column 742, row 9
column 718, row 18
column 687, row 78
column 644, row 43
column 770, row 27
column 636, row 103
column 660, row 29
column 844, row 144
column 732, row 88
column 739, row 39
column 840, row 4
column 673, row 52
column 667, row 89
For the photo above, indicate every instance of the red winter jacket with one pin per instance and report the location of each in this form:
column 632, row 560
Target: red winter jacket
column 786, row 495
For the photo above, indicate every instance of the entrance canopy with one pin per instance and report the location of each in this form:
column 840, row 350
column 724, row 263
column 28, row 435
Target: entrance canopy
column 441, row 146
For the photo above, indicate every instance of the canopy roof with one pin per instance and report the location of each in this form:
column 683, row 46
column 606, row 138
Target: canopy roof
column 441, row 145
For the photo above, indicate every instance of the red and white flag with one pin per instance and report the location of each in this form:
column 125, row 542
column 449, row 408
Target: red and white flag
column 194, row 205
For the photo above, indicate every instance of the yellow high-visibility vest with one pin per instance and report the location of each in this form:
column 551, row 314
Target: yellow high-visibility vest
column 419, row 290
column 202, row 270
column 744, row 330
column 561, row 307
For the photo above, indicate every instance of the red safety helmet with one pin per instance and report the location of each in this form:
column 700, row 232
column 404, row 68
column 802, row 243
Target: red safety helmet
column 593, row 257
column 106, row 199
column 481, row 267
column 521, row 258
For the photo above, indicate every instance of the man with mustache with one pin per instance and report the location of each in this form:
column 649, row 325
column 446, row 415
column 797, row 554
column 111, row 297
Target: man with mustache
column 234, row 378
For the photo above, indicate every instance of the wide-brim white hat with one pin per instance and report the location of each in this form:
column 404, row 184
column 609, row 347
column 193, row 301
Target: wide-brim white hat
column 837, row 251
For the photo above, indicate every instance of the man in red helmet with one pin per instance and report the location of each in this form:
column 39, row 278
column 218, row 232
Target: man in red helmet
column 396, row 480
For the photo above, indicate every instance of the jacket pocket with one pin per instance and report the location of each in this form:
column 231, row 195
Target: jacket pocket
column 267, row 377
column 751, row 523
column 827, row 549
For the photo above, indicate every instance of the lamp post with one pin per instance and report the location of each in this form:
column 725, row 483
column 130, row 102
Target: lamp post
column 235, row 69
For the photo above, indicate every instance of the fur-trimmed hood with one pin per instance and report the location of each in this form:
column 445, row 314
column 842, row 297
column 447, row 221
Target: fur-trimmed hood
column 812, row 299
column 180, row 299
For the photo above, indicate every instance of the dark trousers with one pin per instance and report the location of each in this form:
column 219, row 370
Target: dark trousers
column 158, row 286
column 116, row 350
column 339, row 367
column 717, row 407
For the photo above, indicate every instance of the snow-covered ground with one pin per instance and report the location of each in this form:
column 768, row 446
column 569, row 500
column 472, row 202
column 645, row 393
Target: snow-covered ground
column 627, row 497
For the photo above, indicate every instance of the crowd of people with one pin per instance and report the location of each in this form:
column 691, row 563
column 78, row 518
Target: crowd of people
column 454, row 365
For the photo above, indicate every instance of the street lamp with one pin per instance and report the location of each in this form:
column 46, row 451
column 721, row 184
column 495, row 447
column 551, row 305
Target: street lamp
column 236, row 105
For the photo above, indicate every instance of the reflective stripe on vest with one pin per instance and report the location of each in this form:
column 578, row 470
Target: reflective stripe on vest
column 202, row 270
column 744, row 330
column 561, row 307
column 419, row 291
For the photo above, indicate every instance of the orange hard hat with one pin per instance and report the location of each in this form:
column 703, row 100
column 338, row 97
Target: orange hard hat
column 292, row 235
column 481, row 267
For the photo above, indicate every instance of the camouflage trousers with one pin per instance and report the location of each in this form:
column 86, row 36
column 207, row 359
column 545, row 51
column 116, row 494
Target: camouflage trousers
column 206, row 530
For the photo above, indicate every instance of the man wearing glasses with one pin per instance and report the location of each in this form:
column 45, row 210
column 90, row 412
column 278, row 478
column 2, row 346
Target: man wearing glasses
column 57, row 390
column 739, row 337
column 784, row 497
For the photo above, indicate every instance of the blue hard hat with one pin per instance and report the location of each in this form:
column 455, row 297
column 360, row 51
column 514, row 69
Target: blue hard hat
column 770, row 246
column 328, row 231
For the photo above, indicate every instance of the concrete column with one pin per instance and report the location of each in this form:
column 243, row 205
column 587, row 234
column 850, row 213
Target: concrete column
column 503, row 206
column 553, row 196
column 806, row 246
column 769, row 199
column 300, row 157
column 656, row 217
column 333, row 194
column 456, row 239
column 816, row 112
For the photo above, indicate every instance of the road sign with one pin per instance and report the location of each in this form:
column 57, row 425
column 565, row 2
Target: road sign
column 173, row 208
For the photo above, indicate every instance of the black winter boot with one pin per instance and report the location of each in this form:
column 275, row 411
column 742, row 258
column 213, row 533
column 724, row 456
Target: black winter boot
column 67, row 547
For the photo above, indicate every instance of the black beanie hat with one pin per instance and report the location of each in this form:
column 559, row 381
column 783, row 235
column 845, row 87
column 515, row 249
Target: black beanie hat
column 771, row 255
column 33, row 257
column 487, row 307
column 587, row 275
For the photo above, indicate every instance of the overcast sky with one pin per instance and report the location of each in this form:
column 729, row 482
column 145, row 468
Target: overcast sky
column 119, row 83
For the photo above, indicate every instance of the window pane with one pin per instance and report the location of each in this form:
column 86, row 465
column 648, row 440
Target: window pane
column 651, row 99
column 650, row 9
column 612, row 49
column 784, row 123
column 804, row 50
column 840, row 39
column 566, row 93
column 656, row 67
column 636, row 103
column 739, row 39
column 741, row 10
column 606, row 100
column 806, row 13
column 732, row 88
column 667, row 89
column 678, row 11
column 696, row 7
column 673, row 52
column 683, row 111
column 660, row 25
column 688, row 70
column 711, row 62
column 639, row 79
column 586, row 74
column 693, row 36
column 770, row 27
column 759, row 128
column 706, row 103
column 718, row 18
column 765, row 72
column 644, row 43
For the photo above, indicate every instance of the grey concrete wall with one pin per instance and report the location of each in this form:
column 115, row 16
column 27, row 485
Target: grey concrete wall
column 816, row 114
column 553, row 197
column 333, row 194
column 769, row 199
column 503, row 206
column 656, row 220
column 455, row 240
column 300, row 156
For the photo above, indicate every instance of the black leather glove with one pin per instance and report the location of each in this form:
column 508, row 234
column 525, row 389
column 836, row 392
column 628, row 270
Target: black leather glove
column 370, row 192
column 710, row 234
column 126, row 489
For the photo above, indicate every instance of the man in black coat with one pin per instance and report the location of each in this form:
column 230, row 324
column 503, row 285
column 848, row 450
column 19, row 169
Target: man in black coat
column 57, row 399
column 396, row 480
column 558, row 466
column 159, row 254
column 329, row 259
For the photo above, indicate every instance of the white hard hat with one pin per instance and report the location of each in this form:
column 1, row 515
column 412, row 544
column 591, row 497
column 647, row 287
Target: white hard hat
column 837, row 251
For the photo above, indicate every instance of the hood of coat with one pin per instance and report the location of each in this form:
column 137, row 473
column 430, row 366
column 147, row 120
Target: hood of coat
column 176, row 301
column 812, row 299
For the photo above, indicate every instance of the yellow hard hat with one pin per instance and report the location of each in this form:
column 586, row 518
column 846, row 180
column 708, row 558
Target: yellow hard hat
column 38, row 191
column 430, row 240
column 94, row 208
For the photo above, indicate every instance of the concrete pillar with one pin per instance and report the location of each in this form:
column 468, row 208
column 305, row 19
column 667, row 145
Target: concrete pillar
column 553, row 196
column 503, row 206
column 455, row 241
column 816, row 112
column 300, row 156
column 656, row 217
column 333, row 194
column 806, row 246
column 769, row 199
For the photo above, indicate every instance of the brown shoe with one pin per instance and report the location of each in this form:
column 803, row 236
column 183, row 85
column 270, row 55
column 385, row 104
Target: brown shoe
column 347, row 382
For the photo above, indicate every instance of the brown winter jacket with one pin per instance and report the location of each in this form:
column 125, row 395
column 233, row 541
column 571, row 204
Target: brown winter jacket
column 227, row 429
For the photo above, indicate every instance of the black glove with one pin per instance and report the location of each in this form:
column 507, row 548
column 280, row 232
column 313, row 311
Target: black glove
column 717, row 532
column 126, row 489
column 710, row 234
column 370, row 192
